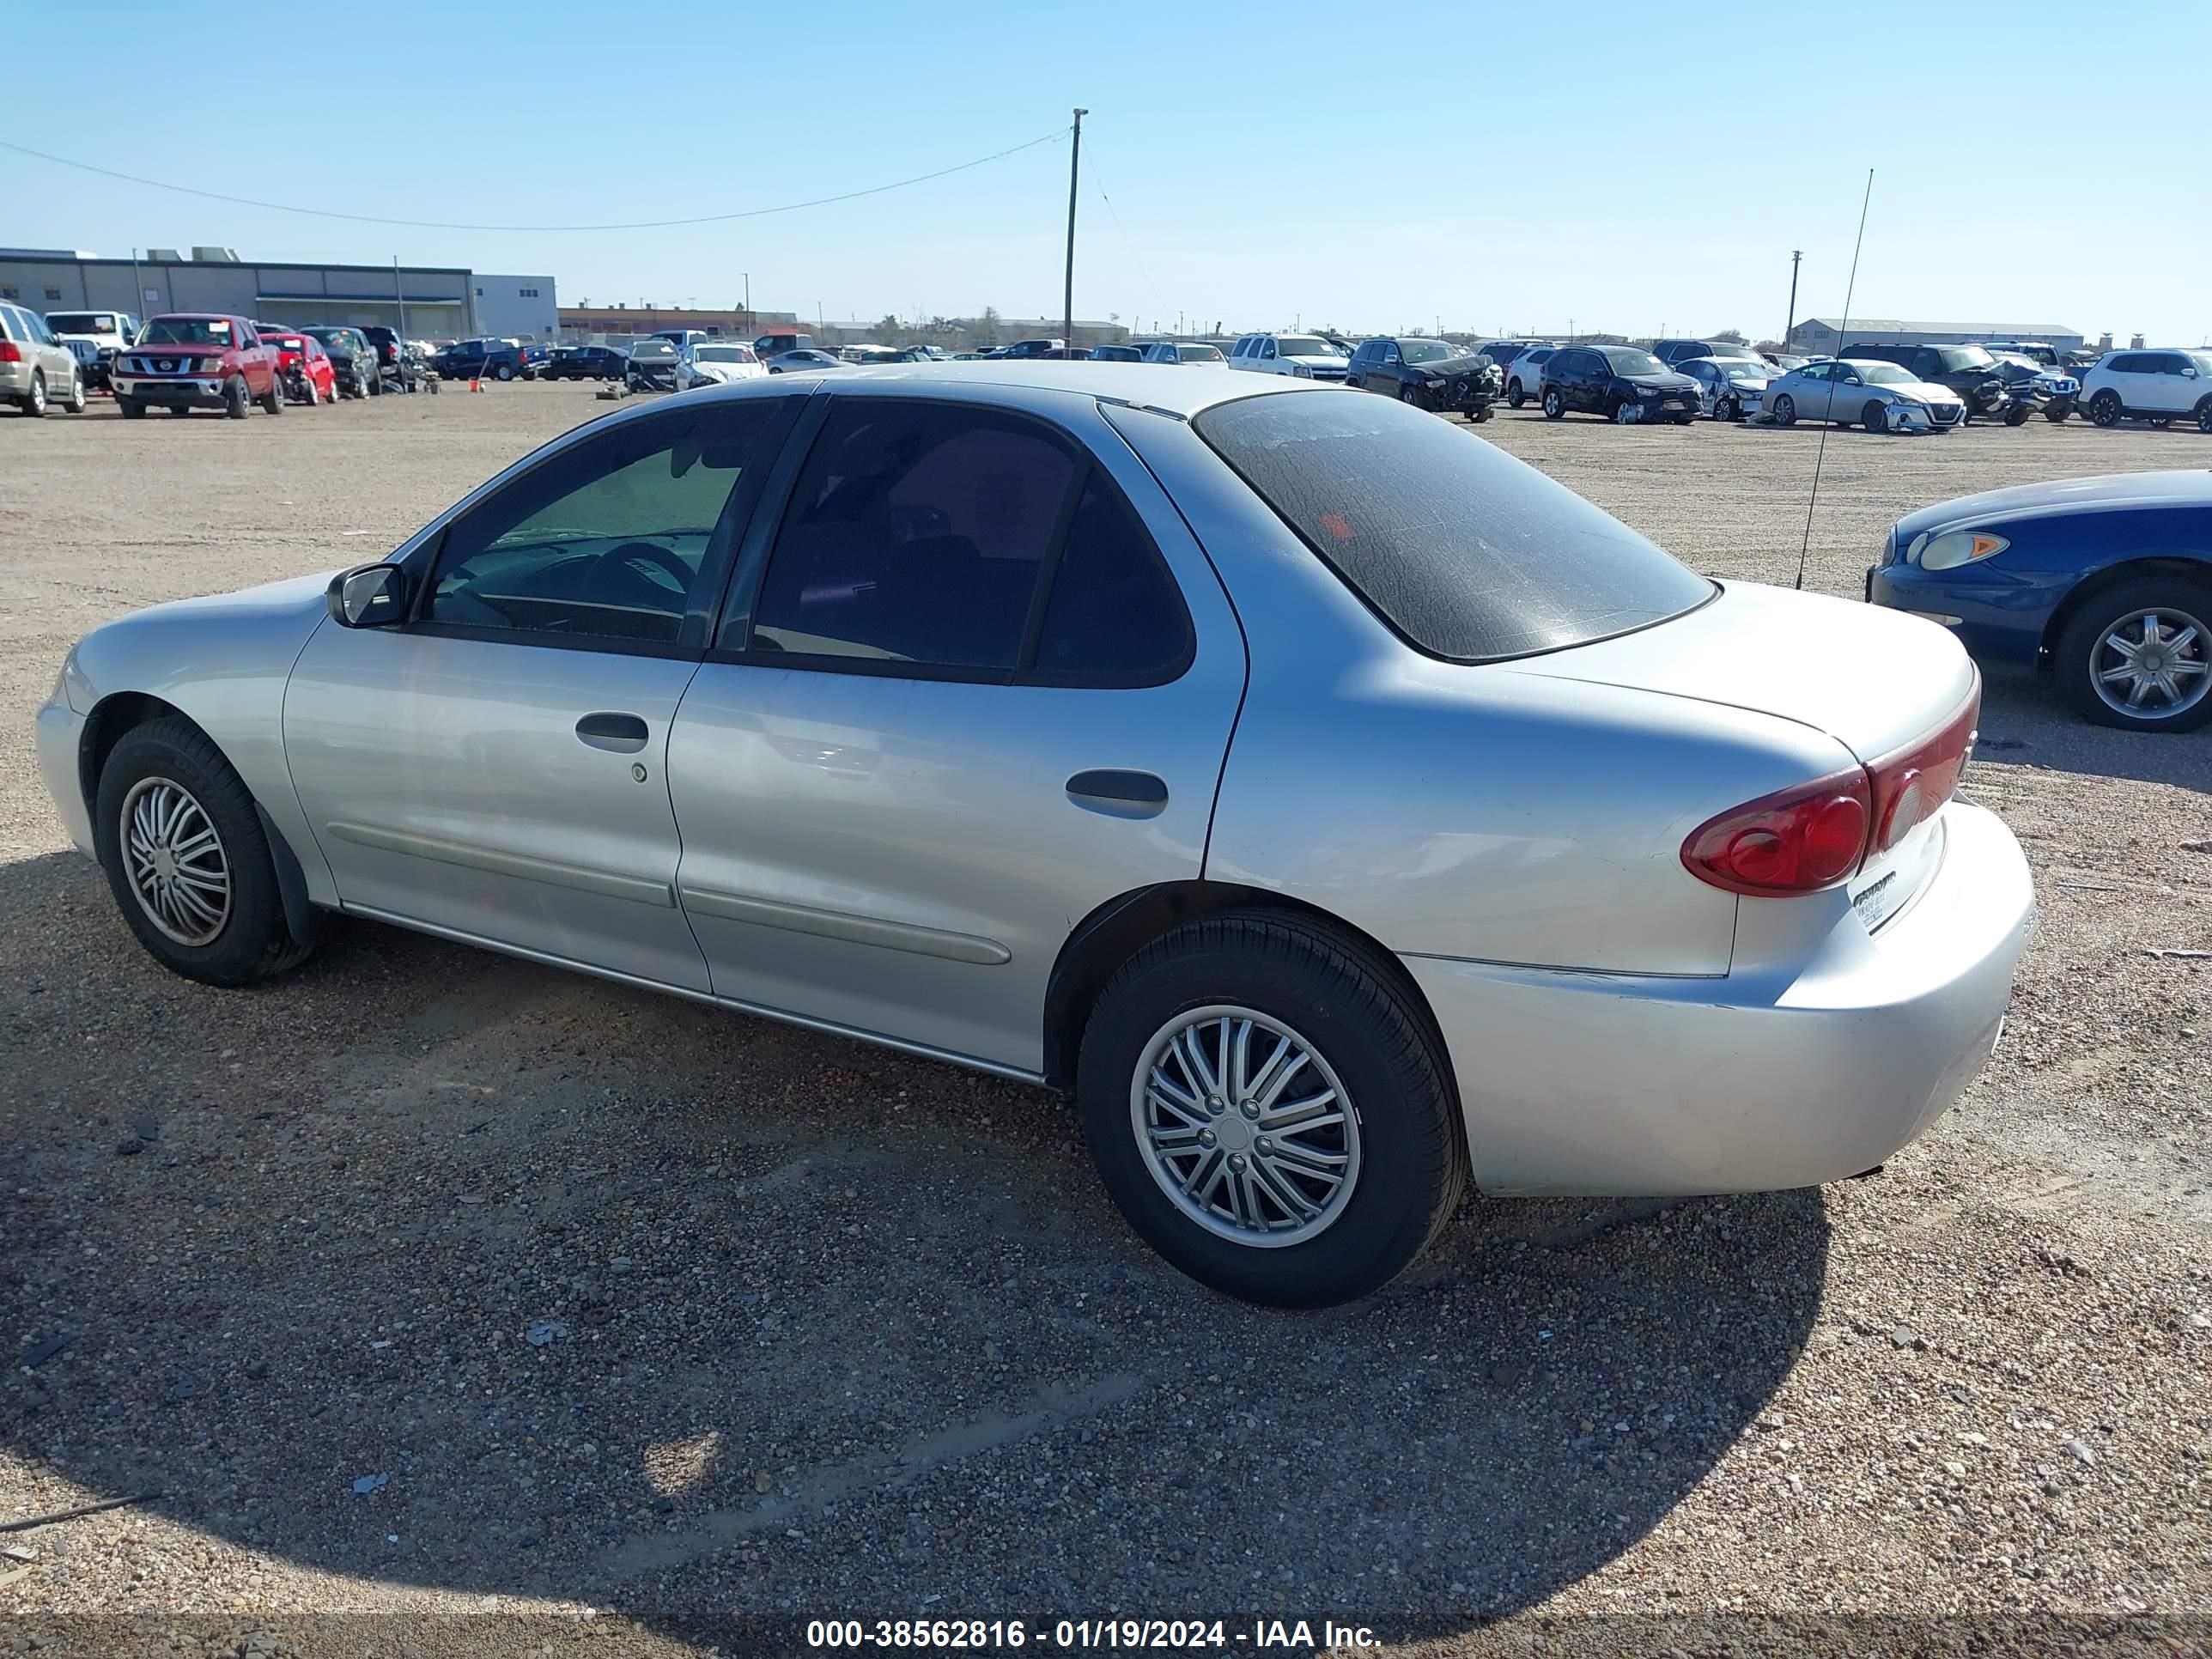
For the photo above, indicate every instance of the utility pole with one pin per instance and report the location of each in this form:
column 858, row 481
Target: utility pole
column 1067, row 292
column 1795, row 254
column 748, row 275
column 400, row 294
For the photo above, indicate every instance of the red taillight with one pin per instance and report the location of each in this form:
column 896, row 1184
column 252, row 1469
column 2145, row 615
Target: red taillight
column 1912, row 785
column 11, row 352
column 1795, row 840
column 1813, row 836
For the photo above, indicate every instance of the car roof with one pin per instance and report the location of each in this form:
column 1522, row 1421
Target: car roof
column 1186, row 392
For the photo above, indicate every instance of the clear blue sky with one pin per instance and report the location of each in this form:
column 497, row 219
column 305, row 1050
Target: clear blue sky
column 1648, row 165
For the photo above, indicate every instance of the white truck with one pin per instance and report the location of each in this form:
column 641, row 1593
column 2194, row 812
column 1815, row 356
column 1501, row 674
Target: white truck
column 109, row 332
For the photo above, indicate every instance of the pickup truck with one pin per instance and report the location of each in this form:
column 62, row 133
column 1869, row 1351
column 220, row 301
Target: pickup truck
column 480, row 360
column 191, row 360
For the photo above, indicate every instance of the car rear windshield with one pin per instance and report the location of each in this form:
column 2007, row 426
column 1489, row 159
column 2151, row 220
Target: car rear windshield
column 1468, row 553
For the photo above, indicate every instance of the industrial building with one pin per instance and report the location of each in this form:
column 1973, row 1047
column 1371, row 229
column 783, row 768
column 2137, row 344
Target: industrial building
column 598, row 325
column 1827, row 336
column 434, row 302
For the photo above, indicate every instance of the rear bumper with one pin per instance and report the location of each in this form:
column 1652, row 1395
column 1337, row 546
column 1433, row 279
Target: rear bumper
column 1589, row 1083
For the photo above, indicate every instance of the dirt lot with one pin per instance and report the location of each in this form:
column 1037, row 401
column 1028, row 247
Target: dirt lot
column 657, row 1330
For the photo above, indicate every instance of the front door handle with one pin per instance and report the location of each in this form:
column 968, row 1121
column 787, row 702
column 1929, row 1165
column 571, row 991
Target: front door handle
column 1119, row 794
column 618, row 734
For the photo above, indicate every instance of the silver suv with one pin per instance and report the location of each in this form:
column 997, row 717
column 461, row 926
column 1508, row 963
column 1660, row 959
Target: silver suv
column 37, row 370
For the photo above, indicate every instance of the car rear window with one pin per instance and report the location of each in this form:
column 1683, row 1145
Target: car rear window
column 1470, row 555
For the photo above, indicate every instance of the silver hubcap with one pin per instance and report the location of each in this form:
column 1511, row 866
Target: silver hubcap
column 2153, row 663
column 175, row 861
column 1247, row 1129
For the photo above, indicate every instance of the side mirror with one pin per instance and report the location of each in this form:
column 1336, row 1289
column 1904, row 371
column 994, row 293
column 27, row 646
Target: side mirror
column 367, row 596
column 1853, row 379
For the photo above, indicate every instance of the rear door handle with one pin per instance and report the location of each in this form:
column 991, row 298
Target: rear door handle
column 1119, row 794
column 618, row 734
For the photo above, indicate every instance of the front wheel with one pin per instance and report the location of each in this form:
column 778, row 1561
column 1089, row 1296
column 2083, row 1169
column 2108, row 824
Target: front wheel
column 1785, row 411
column 2018, row 415
column 1728, row 409
column 1515, row 396
column 236, row 400
column 132, row 408
column 2139, row 656
column 2204, row 415
column 1268, row 1110
column 1555, row 407
column 2056, row 413
column 1875, row 417
column 2105, row 409
column 186, row 858
column 75, row 402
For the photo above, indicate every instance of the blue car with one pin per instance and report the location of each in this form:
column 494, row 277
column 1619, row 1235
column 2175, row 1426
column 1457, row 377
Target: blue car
column 2106, row 582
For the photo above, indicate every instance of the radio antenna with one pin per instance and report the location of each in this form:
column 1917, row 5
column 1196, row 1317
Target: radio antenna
column 1843, row 345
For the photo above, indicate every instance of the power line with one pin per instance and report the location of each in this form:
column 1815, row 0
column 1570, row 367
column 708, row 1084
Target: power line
column 440, row 224
column 1138, row 258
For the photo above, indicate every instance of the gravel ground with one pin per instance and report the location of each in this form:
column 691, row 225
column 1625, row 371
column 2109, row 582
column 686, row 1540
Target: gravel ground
column 454, row 1304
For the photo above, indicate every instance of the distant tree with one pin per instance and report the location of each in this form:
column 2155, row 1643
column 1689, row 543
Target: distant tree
column 888, row 327
column 1731, row 337
column 1769, row 345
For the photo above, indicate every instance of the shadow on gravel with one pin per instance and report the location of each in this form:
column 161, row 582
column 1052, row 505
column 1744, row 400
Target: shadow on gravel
column 431, row 1267
column 2025, row 722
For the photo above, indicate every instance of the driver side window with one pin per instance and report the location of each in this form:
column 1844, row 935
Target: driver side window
column 616, row 539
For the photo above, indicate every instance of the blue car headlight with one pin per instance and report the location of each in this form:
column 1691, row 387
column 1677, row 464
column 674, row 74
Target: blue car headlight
column 1954, row 548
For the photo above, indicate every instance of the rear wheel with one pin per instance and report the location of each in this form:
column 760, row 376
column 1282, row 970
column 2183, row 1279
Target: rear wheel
column 186, row 858
column 2018, row 414
column 1554, row 408
column 2160, row 422
column 178, row 408
column 504, row 371
column 2139, row 656
column 2105, row 408
column 1515, row 396
column 132, row 409
column 1268, row 1110
column 2056, row 413
column 1785, row 411
column 1875, row 417
column 274, row 401
column 35, row 400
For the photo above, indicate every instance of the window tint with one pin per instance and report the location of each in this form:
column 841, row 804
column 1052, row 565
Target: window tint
column 1115, row 612
column 606, row 541
column 915, row 534
column 2170, row 362
column 1465, row 551
column 2126, row 363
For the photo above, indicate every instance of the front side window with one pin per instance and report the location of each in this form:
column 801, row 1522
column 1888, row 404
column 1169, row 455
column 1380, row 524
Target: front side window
column 1465, row 552
column 605, row 541
column 915, row 534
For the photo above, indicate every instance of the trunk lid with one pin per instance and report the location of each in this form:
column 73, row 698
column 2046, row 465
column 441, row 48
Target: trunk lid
column 1874, row 679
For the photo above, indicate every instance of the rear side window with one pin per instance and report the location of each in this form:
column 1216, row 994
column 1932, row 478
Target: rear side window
column 915, row 534
column 1468, row 553
column 1115, row 615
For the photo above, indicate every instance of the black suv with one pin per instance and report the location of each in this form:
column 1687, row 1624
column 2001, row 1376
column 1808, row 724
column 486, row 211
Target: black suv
column 1675, row 352
column 584, row 362
column 1622, row 383
column 1968, row 370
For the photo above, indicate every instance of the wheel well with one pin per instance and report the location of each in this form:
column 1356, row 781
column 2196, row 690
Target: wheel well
column 2189, row 570
column 104, row 727
column 1121, row 926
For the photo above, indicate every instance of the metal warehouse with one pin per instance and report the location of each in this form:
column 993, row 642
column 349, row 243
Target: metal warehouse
column 1828, row 334
column 423, row 301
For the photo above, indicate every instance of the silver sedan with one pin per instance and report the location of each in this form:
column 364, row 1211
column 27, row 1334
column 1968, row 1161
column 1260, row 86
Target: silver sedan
column 1339, row 811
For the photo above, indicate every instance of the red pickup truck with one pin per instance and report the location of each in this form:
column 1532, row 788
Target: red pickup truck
column 191, row 360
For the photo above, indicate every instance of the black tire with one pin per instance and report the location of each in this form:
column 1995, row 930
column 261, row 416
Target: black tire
column 133, row 408
column 1479, row 414
column 35, row 400
column 75, row 402
column 2078, row 658
column 1555, row 408
column 2018, row 415
column 1514, row 396
column 253, row 942
column 2204, row 415
column 373, row 386
column 1344, row 1004
column 1728, row 409
column 1785, row 411
column 504, row 371
column 273, row 404
column 2056, row 413
column 178, row 408
column 1874, row 418
column 2160, row 422
column 235, row 399
column 2105, row 408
